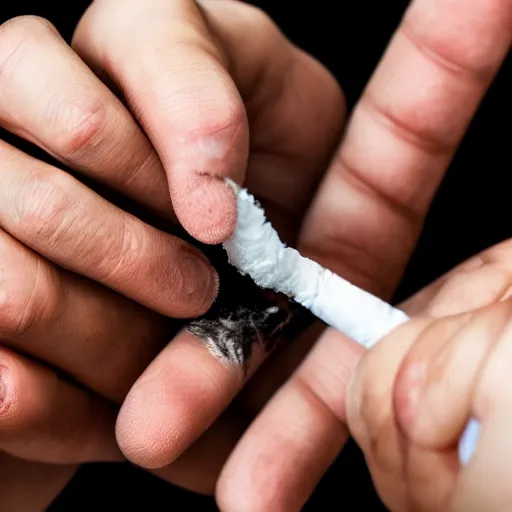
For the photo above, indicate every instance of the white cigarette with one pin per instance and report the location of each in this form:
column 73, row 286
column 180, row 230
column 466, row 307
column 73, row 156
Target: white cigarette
column 255, row 249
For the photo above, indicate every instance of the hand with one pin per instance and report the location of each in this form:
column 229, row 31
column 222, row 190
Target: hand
column 52, row 225
column 411, row 397
column 302, row 429
column 57, row 326
column 215, row 72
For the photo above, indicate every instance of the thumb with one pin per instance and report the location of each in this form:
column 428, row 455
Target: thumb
column 164, row 60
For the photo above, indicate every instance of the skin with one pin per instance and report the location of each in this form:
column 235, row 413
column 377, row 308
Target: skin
column 56, row 231
column 169, row 417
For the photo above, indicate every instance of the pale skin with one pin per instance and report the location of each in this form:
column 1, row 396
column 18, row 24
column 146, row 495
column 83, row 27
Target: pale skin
column 431, row 67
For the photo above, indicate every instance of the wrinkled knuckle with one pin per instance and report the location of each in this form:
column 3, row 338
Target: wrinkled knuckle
column 82, row 128
column 21, row 307
column 17, row 36
column 43, row 207
column 228, row 119
column 123, row 254
column 16, row 315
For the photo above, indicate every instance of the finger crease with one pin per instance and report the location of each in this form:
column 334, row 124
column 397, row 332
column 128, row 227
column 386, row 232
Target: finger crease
column 315, row 400
column 416, row 138
column 402, row 209
column 436, row 57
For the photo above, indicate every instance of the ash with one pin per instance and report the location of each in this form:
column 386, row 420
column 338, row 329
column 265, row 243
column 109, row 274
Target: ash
column 244, row 315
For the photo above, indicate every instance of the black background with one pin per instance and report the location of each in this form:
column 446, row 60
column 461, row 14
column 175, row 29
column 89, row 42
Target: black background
column 471, row 212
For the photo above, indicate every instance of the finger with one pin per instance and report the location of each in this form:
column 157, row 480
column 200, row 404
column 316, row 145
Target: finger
column 368, row 214
column 61, row 219
column 174, row 401
column 373, row 402
column 297, row 435
column 96, row 336
column 295, row 444
column 113, row 340
column 47, row 419
column 195, row 378
column 255, row 50
column 484, row 483
column 433, row 396
column 285, row 92
column 392, row 461
column 72, row 115
column 431, row 382
column 276, row 370
column 177, row 85
column 45, row 482
column 474, row 284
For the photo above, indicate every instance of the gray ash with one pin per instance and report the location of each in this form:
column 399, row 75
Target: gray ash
column 245, row 314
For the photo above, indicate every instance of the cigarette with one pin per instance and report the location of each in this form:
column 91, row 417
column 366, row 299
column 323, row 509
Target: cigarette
column 255, row 249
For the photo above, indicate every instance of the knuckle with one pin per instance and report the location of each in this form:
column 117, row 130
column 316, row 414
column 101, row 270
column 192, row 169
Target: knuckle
column 43, row 207
column 26, row 301
column 81, row 124
column 14, row 311
column 122, row 255
column 231, row 118
column 218, row 121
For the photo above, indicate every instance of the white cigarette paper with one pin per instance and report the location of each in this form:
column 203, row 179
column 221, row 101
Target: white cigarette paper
column 255, row 249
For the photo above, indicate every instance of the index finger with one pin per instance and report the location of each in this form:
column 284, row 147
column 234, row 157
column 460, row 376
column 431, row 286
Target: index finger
column 401, row 137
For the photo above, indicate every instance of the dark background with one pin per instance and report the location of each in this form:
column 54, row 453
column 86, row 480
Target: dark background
column 471, row 212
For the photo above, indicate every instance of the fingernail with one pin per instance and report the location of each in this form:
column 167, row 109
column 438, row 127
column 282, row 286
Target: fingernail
column 202, row 279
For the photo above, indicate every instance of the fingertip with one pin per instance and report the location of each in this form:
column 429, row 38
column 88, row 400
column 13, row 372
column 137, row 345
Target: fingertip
column 176, row 399
column 137, row 436
column 207, row 156
column 206, row 207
